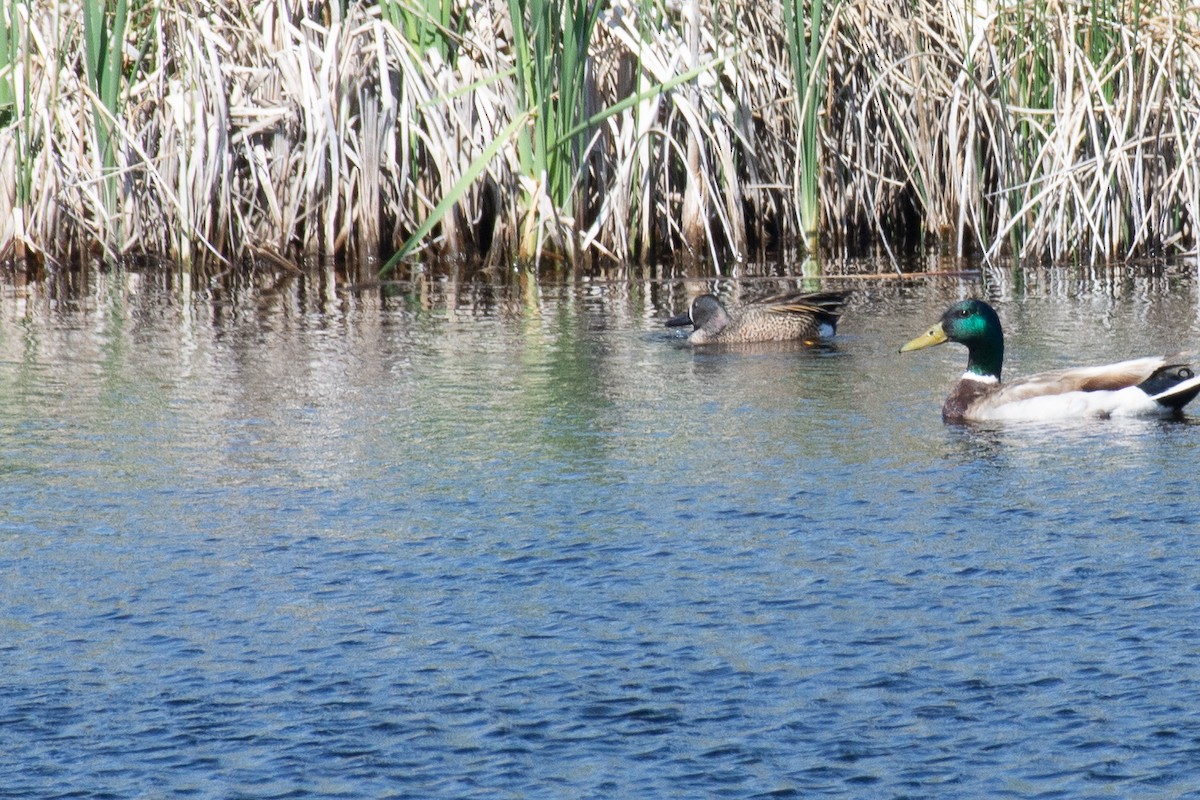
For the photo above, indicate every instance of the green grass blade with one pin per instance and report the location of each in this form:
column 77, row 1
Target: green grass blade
column 8, row 54
column 472, row 173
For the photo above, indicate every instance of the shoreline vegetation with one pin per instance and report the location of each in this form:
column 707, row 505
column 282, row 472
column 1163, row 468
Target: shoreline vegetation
column 530, row 132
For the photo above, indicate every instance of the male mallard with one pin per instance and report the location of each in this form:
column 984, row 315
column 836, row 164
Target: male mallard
column 781, row 318
column 1154, row 386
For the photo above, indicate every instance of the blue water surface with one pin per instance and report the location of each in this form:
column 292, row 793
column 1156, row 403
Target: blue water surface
column 456, row 551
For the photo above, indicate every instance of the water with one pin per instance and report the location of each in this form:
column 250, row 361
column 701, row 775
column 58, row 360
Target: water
column 303, row 545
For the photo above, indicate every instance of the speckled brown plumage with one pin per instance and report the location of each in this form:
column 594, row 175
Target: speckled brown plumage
column 781, row 318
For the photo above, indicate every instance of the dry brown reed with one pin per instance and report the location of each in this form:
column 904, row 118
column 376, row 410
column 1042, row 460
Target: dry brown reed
column 284, row 129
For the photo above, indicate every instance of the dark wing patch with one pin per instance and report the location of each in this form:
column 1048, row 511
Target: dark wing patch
column 823, row 306
column 1166, row 378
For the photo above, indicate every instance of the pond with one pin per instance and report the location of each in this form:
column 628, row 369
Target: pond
column 529, row 544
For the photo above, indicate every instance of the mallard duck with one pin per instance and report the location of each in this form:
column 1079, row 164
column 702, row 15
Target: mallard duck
column 781, row 318
column 1154, row 386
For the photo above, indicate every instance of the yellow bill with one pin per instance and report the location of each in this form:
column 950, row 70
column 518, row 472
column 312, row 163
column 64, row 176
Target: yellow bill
column 934, row 335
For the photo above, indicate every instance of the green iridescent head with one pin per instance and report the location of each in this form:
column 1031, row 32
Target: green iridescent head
column 974, row 324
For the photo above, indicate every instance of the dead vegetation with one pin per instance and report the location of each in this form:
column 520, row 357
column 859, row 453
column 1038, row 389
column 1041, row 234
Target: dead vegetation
column 530, row 131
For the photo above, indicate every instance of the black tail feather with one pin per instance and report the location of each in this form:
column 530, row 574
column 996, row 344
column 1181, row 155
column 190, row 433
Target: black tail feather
column 1173, row 386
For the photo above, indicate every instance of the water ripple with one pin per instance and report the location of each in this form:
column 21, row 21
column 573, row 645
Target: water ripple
column 540, row 565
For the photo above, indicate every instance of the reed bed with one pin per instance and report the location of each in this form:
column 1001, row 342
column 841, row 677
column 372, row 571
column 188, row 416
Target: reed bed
column 538, row 133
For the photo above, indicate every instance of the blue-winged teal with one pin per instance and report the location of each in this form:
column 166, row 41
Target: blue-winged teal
column 1154, row 386
column 781, row 318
